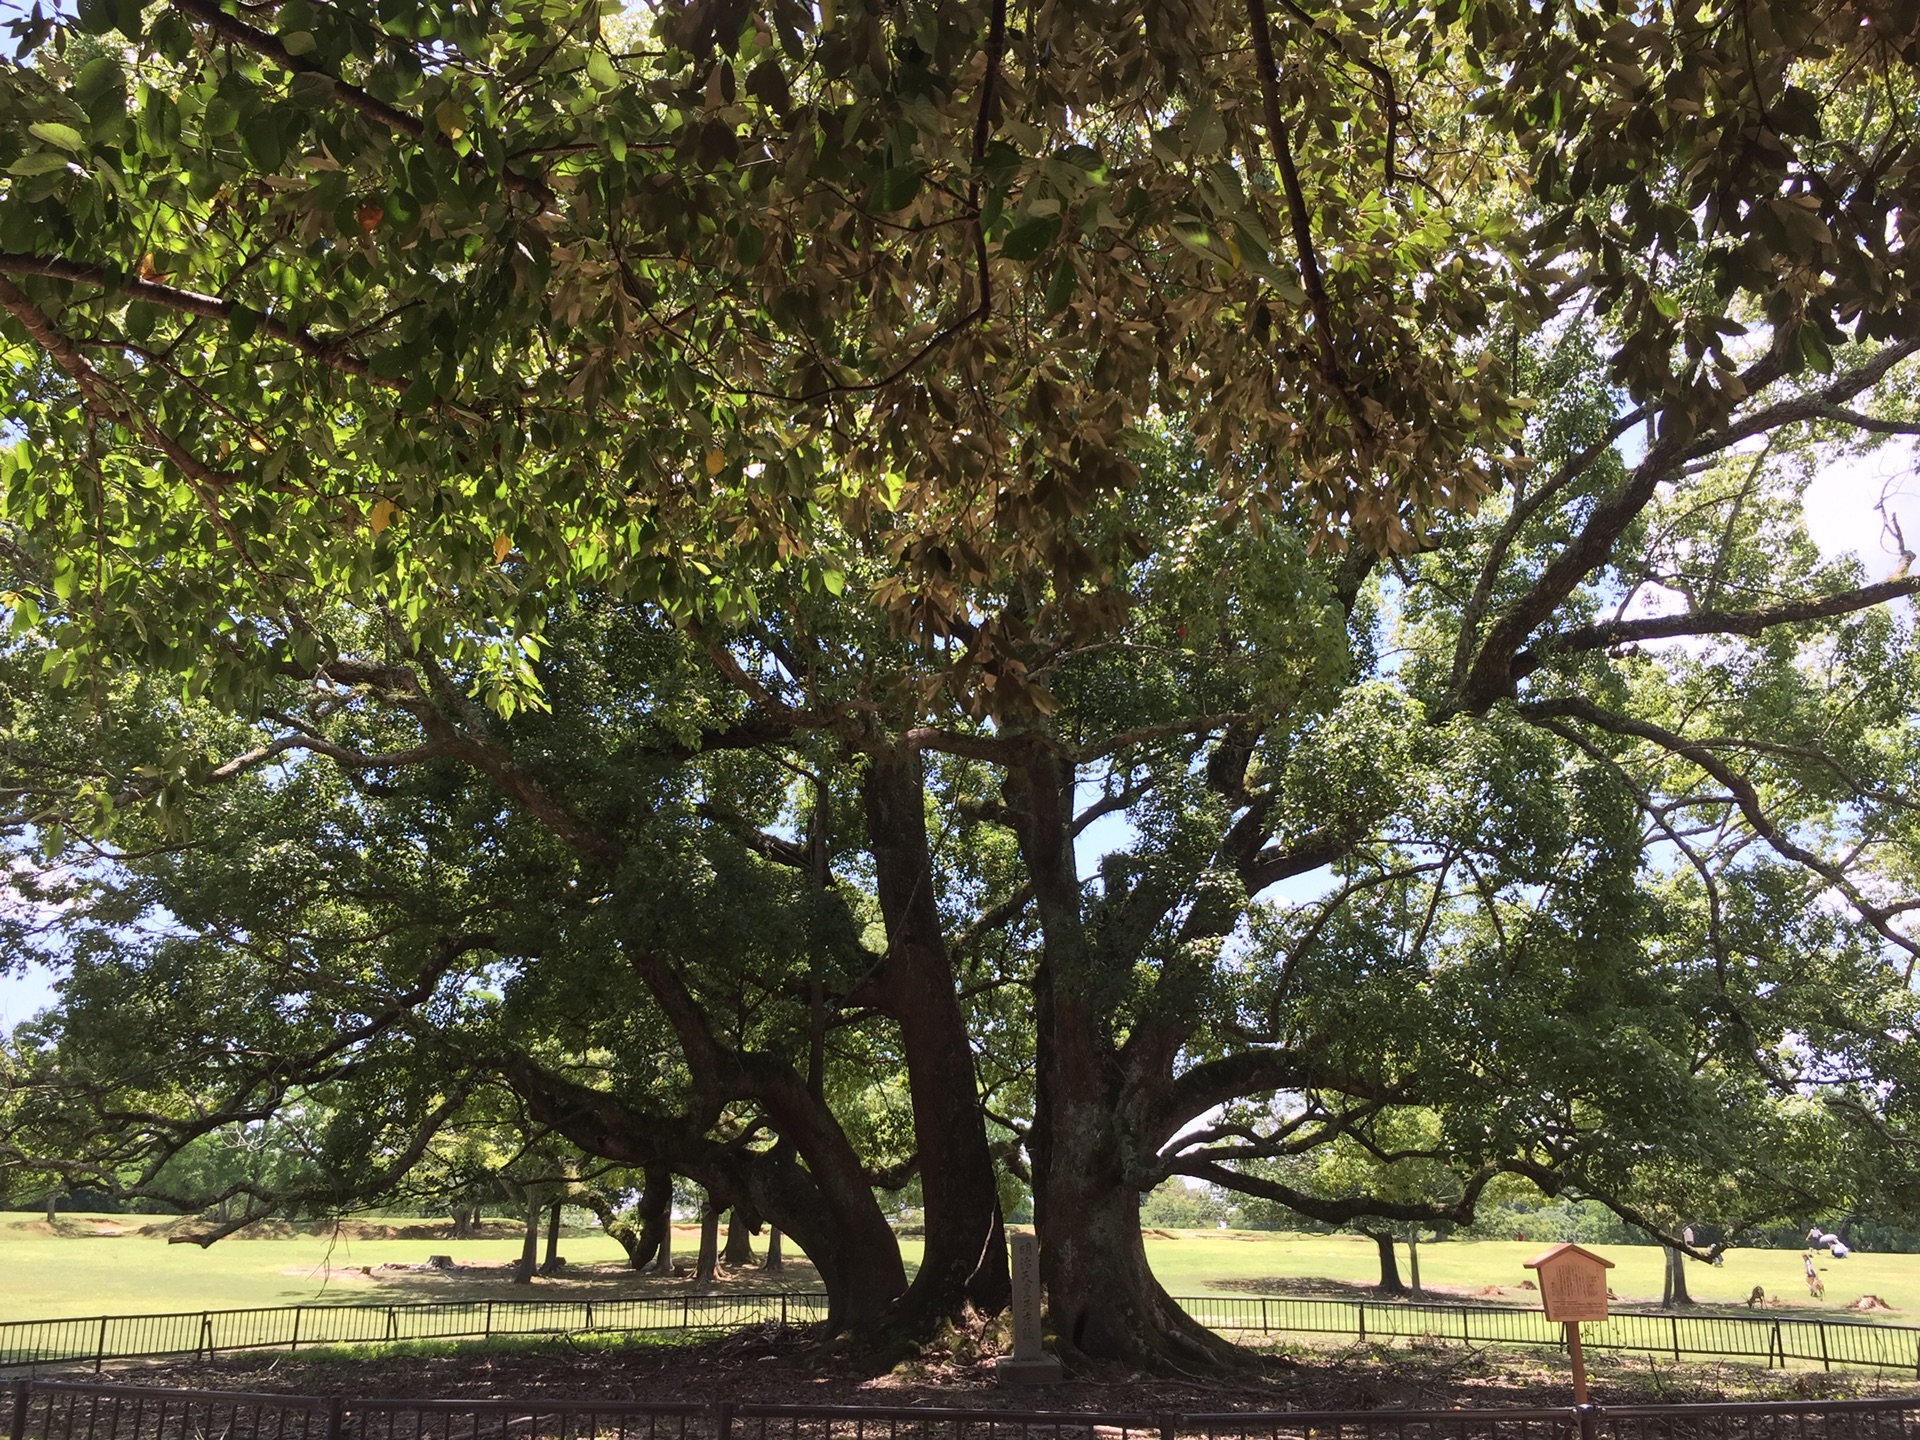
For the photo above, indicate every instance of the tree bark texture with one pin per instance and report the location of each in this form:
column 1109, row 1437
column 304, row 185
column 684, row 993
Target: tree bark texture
column 965, row 1255
column 739, row 1250
column 1390, row 1281
column 530, row 1242
column 552, row 1262
column 774, row 1264
column 1677, row 1279
column 1101, row 1294
column 709, row 1261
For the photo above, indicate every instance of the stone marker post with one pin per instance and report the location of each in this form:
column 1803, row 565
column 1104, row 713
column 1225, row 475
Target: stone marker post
column 1029, row 1364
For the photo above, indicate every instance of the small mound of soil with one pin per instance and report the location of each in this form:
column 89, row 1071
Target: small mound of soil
column 1868, row 1303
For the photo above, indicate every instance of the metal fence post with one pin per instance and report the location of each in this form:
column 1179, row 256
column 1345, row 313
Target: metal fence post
column 1676, row 1339
column 205, row 1352
column 336, row 1418
column 1169, row 1427
column 100, row 1346
column 1362, row 1305
column 1264, row 1327
column 22, row 1397
column 294, row 1344
column 1825, row 1358
column 783, row 1325
column 723, row 1421
column 1588, row 1417
column 489, row 1319
column 392, row 1330
column 1775, row 1342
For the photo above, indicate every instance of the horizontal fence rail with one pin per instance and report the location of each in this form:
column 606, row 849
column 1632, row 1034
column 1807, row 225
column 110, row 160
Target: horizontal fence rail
column 51, row 1410
column 207, row 1333
column 1761, row 1340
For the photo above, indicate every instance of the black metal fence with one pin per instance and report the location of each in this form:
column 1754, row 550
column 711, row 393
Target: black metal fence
column 1761, row 1339
column 207, row 1333
column 50, row 1410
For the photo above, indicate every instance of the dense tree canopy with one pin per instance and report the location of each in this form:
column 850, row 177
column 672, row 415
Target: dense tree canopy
column 1342, row 467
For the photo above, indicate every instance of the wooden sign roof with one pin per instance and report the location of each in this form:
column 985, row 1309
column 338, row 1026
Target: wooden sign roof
column 1553, row 1252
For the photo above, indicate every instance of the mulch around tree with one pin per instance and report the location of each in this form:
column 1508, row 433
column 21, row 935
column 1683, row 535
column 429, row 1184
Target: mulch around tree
column 765, row 1365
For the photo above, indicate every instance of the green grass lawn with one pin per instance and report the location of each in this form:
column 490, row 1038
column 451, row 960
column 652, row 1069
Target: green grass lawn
column 47, row 1275
column 1262, row 1262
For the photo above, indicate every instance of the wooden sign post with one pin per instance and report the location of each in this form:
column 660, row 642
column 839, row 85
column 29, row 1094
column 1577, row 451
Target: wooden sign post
column 1573, row 1287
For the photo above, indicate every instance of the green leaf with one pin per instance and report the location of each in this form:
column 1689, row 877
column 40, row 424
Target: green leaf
column 600, row 70
column 242, row 322
column 96, row 16
column 894, row 190
column 54, row 133
column 298, row 42
column 309, row 91
column 40, row 162
column 1030, row 238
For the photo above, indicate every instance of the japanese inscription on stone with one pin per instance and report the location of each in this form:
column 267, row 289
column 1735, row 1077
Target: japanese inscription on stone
column 1026, row 1296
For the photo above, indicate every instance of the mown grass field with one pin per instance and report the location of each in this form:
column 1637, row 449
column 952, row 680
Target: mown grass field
column 45, row 1275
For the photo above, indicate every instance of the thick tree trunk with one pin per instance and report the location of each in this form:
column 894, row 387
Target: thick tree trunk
column 964, row 1259
column 1390, row 1281
column 739, row 1251
column 1677, row 1279
column 663, row 1259
column 463, row 1218
column 1413, row 1263
column 773, row 1265
column 826, row 1203
column 709, row 1262
column 552, row 1262
column 639, row 1240
column 1101, row 1295
column 656, row 1218
column 530, row 1243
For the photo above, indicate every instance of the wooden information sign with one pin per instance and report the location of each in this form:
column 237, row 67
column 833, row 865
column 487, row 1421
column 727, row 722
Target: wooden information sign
column 1573, row 1287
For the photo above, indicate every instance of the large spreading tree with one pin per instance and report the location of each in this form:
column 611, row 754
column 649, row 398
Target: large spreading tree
column 618, row 566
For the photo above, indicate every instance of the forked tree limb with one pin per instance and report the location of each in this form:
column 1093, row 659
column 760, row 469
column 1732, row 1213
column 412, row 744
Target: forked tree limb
column 1711, row 622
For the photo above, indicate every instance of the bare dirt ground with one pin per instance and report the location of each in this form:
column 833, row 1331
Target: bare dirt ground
column 770, row 1366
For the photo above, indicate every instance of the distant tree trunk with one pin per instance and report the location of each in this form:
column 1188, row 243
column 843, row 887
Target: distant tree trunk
column 530, row 1244
column 739, row 1251
column 463, row 1221
column 663, row 1261
column 552, row 1262
column 1413, row 1261
column 773, row 1250
column 53, row 1205
column 709, row 1243
column 1676, row 1286
column 1390, row 1281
